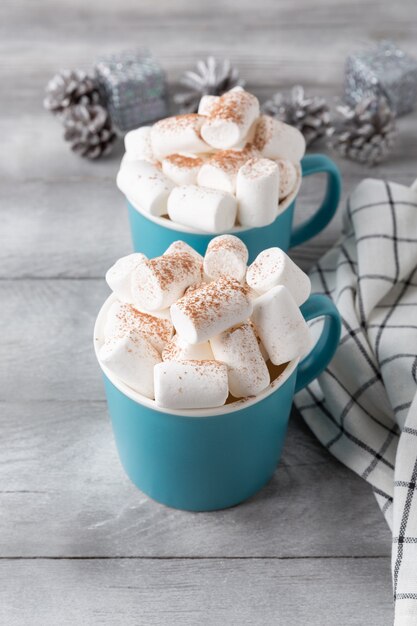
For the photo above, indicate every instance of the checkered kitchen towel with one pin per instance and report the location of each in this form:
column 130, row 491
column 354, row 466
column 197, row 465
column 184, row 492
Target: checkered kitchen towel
column 363, row 408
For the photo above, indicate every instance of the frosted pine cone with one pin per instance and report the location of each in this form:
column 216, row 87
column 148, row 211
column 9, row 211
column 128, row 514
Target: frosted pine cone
column 310, row 114
column 366, row 132
column 211, row 77
column 89, row 131
column 70, row 87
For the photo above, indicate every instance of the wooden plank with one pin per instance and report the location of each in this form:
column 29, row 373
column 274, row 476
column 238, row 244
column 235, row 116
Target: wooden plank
column 50, row 158
column 64, row 493
column 252, row 592
column 61, row 228
column 47, row 346
column 294, row 40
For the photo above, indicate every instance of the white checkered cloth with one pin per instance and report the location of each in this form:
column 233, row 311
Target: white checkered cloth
column 363, row 408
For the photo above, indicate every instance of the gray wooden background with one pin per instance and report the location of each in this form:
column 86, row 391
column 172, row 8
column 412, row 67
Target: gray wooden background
column 78, row 543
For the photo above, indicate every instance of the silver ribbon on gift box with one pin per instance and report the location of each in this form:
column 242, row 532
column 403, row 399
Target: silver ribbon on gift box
column 133, row 86
column 382, row 71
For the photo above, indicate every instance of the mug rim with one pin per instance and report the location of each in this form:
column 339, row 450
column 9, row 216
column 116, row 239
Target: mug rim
column 170, row 225
column 142, row 400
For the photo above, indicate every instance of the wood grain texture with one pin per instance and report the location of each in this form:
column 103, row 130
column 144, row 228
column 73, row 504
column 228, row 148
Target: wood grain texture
column 47, row 348
column 290, row 40
column 62, row 222
column 255, row 592
column 61, row 474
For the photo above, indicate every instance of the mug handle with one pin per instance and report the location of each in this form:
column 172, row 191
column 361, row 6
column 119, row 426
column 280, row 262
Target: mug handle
column 313, row 164
column 322, row 353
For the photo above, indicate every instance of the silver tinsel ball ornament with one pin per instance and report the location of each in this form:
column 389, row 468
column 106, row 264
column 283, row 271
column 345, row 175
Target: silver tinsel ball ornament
column 133, row 86
column 211, row 77
column 310, row 114
column 88, row 129
column 382, row 70
column 365, row 133
column 70, row 87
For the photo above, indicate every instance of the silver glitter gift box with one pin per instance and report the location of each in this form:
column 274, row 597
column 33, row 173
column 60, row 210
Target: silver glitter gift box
column 383, row 70
column 134, row 88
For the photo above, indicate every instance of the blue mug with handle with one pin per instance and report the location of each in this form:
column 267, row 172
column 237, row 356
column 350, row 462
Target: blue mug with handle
column 207, row 459
column 152, row 235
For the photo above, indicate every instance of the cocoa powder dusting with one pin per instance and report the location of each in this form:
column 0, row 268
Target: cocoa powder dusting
column 258, row 168
column 171, row 351
column 170, row 268
column 267, row 263
column 202, row 368
column 148, row 325
column 178, row 123
column 242, row 343
column 264, row 132
column 199, row 305
column 229, row 243
column 231, row 160
column 232, row 106
column 183, row 162
column 194, row 287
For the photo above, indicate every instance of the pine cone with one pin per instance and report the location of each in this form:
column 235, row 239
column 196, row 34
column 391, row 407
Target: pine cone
column 366, row 132
column 211, row 77
column 310, row 114
column 88, row 129
column 70, row 87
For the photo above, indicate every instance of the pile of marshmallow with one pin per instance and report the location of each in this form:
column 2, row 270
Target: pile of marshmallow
column 188, row 331
column 224, row 166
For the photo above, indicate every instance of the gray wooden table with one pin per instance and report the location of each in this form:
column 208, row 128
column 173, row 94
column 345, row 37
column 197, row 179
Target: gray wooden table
column 79, row 544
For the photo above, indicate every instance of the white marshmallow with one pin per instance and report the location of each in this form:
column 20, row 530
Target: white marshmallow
column 179, row 350
column 252, row 294
column 220, row 170
column 247, row 371
column 180, row 133
column 190, row 384
column 230, row 119
column 182, row 170
column 248, row 139
column 264, row 353
column 145, row 185
column 280, row 325
column 273, row 267
column 201, row 208
column 226, row 255
column 196, row 286
column 257, row 189
column 158, row 282
column 132, row 359
column 163, row 314
column 123, row 318
column 138, row 145
column 208, row 311
column 206, row 104
column 287, row 177
column 118, row 277
column 181, row 246
column 277, row 140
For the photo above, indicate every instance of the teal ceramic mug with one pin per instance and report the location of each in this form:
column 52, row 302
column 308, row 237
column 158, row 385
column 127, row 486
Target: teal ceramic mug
column 152, row 235
column 202, row 460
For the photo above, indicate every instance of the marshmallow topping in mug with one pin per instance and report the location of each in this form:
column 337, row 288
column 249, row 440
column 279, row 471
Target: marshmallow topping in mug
column 205, row 155
column 194, row 332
